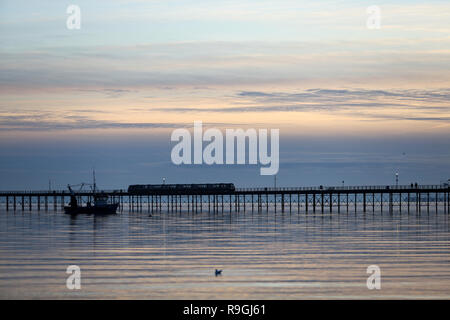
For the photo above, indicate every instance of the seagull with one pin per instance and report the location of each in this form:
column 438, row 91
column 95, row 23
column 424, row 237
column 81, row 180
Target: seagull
column 218, row 272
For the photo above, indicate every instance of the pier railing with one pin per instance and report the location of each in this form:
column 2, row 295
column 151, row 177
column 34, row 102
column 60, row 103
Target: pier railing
column 56, row 192
column 257, row 189
column 345, row 188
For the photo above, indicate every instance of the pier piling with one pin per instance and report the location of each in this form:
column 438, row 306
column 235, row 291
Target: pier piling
column 434, row 196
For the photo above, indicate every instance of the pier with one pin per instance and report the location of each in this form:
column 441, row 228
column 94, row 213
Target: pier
column 306, row 200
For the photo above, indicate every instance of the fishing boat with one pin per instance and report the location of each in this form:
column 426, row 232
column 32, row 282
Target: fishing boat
column 100, row 205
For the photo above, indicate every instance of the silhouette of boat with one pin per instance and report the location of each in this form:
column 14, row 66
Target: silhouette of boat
column 100, row 206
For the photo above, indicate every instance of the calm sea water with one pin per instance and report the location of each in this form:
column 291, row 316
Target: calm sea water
column 263, row 255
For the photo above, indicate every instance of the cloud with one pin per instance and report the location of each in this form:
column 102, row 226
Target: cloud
column 121, row 69
column 41, row 123
column 357, row 102
column 45, row 122
column 435, row 95
column 109, row 92
column 384, row 117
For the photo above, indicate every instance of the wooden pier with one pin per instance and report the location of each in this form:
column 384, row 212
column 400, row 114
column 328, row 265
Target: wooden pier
column 293, row 200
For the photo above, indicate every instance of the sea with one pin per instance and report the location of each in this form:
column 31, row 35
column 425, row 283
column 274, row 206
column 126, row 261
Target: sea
column 262, row 255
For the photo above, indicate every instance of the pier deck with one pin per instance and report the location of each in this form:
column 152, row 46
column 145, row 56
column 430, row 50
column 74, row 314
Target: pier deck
column 301, row 200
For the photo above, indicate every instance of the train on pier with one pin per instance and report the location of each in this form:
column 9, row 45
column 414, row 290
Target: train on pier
column 206, row 188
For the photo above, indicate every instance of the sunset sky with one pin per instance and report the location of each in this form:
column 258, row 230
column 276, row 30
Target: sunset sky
column 351, row 103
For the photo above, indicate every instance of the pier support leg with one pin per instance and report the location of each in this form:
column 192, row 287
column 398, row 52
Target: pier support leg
column 418, row 202
column 314, row 202
column 306, row 202
column 373, row 202
column 364, row 202
column 322, row 201
column 381, row 201
column 331, row 202
column 290, row 202
column 448, row 202
column 347, row 202
column 436, row 201
column 409, row 200
column 444, row 199
column 390, row 203
column 339, row 202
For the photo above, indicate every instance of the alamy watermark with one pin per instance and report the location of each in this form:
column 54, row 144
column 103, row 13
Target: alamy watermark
column 73, row 282
column 374, row 280
column 73, row 21
column 374, row 19
column 213, row 153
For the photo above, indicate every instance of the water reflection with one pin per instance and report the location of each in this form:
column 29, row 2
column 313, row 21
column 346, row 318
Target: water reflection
column 263, row 255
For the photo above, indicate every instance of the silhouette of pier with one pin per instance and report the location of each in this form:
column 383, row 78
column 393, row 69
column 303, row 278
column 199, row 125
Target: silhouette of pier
column 300, row 200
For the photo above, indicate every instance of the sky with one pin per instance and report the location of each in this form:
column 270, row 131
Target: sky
column 352, row 104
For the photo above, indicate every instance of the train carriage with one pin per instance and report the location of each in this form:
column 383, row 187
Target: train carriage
column 208, row 188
